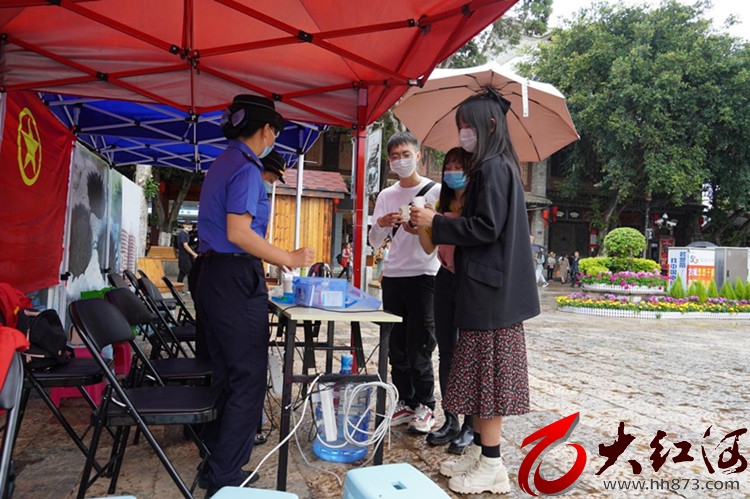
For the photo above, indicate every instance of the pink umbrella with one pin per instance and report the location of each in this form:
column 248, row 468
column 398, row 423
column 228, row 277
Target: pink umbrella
column 539, row 123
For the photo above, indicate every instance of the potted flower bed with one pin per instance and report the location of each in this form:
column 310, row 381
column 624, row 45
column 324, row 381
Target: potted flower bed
column 648, row 283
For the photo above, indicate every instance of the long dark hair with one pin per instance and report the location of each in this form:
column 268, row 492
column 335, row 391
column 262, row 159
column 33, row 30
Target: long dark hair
column 446, row 193
column 479, row 111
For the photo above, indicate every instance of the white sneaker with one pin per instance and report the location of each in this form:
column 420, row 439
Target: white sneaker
column 489, row 476
column 423, row 420
column 401, row 414
column 463, row 464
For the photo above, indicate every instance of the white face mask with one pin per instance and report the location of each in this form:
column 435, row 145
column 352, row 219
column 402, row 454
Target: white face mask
column 468, row 139
column 404, row 167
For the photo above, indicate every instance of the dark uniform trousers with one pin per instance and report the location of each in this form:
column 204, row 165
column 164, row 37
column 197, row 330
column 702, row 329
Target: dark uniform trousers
column 233, row 310
column 413, row 340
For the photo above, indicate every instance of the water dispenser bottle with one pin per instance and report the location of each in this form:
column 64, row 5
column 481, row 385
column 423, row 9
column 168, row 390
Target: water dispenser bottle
column 331, row 405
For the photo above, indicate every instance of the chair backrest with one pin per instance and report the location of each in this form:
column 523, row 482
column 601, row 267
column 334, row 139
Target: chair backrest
column 134, row 310
column 130, row 276
column 10, row 399
column 100, row 322
column 117, row 280
column 184, row 313
column 149, row 289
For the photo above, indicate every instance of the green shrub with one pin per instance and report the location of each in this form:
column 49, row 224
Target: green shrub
column 727, row 291
column 645, row 265
column 624, row 242
column 677, row 290
column 739, row 289
column 713, row 291
column 593, row 266
column 698, row 289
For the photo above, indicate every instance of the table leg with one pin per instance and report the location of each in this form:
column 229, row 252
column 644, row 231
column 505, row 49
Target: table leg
column 356, row 342
column 286, row 402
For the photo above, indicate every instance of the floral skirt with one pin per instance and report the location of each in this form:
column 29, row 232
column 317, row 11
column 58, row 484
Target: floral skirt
column 489, row 375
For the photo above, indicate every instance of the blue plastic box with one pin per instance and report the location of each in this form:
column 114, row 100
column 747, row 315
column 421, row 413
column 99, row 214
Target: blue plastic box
column 323, row 292
column 390, row 481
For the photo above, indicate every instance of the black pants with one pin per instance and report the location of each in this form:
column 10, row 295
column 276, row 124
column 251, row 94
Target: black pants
column 233, row 309
column 446, row 332
column 184, row 264
column 550, row 272
column 413, row 340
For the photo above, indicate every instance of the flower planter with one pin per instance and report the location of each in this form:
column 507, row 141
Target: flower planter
column 621, row 290
column 643, row 314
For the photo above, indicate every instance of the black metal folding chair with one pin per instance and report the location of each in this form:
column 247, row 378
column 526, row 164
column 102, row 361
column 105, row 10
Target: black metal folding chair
column 117, row 280
column 183, row 313
column 10, row 400
column 153, row 298
column 100, row 323
column 187, row 370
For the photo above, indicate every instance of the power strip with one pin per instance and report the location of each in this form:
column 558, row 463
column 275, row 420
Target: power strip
column 329, row 414
column 274, row 367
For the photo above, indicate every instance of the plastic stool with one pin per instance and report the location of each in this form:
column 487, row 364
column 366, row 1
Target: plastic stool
column 390, row 481
column 123, row 358
column 249, row 493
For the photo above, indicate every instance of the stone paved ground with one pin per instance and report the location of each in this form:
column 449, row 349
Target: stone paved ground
column 679, row 376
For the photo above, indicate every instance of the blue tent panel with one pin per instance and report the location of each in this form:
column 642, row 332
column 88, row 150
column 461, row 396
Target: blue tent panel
column 131, row 132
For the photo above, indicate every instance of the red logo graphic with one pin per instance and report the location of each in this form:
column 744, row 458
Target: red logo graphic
column 551, row 435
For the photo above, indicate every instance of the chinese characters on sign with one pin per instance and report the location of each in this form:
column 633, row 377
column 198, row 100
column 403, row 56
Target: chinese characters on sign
column 730, row 459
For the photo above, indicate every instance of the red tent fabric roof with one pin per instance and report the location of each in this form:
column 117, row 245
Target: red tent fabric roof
column 310, row 55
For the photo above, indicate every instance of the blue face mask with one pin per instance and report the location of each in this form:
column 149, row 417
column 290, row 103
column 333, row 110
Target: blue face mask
column 266, row 150
column 455, row 179
column 268, row 185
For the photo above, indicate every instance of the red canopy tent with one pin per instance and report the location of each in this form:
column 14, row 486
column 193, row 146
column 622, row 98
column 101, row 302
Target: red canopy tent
column 331, row 62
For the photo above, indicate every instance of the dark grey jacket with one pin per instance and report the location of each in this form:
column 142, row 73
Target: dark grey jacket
column 495, row 280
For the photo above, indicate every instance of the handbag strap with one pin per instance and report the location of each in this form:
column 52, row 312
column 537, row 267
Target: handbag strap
column 424, row 190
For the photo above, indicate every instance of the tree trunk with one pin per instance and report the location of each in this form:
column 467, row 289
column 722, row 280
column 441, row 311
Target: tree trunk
column 166, row 220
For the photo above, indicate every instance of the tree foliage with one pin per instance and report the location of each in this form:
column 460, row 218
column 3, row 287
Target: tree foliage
column 527, row 17
column 660, row 101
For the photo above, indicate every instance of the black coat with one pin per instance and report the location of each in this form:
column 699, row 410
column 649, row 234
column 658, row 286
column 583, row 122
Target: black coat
column 495, row 279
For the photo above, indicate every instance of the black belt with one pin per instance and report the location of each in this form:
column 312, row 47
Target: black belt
column 216, row 254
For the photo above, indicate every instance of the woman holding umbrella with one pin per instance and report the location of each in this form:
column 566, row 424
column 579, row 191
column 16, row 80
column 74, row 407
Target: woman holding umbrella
column 495, row 293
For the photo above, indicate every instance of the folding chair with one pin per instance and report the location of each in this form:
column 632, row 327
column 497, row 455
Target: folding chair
column 117, row 280
column 132, row 279
column 185, row 333
column 183, row 315
column 100, row 323
column 173, row 369
column 150, row 291
column 10, row 400
column 152, row 325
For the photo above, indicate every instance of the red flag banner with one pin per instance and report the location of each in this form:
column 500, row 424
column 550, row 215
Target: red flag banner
column 35, row 166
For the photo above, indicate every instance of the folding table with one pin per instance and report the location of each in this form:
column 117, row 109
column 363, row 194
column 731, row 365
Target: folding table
column 312, row 319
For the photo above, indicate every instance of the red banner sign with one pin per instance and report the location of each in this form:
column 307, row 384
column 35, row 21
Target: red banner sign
column 35, row 166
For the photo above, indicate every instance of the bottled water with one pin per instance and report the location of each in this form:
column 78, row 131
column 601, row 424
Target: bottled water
column 331, row 444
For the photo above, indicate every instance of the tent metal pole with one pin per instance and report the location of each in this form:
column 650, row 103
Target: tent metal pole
column 298, row 207
column 360, row 223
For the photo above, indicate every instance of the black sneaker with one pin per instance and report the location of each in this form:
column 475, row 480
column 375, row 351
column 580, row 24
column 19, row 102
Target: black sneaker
column 203, row 480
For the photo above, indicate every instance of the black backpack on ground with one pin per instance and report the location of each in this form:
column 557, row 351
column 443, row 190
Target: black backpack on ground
column 47, row 337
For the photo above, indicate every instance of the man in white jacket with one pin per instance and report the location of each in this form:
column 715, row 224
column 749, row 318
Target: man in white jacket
column 408, row 279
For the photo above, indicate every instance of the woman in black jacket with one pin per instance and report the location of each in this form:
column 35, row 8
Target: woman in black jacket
column 495, row 293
